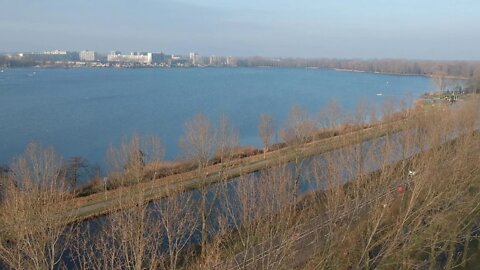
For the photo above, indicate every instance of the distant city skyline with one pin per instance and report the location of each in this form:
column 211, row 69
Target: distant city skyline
column 440, row 30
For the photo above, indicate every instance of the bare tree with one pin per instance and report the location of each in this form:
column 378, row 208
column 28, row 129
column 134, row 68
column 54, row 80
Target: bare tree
column 127, row 163
column 331, row 116
column 178, row 225
column 34, row 235
column 198, row 145
column 227, row 139
column 128, row 239
column 362, row 109
column 266, row 129
column 75, row 168
column 299, row 129
column 257, row 219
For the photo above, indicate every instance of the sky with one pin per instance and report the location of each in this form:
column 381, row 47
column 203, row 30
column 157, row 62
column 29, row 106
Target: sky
column 414, row 29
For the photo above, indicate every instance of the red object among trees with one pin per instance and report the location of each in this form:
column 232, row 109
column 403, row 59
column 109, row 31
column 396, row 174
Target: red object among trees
column 400, row 189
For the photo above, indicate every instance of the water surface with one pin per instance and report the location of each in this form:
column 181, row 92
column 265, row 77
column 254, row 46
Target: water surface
column 81, row 111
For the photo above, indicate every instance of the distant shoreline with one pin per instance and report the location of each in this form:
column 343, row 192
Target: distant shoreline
column 449, row 77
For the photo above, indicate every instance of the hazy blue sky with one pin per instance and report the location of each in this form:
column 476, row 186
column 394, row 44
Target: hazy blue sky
column 434, row 29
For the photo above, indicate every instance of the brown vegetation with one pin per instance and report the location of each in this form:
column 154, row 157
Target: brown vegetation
column 31, row 235
column 407, row 200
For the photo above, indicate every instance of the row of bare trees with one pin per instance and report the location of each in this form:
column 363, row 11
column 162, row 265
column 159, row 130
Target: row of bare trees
column 355, row 216
column 465, row 69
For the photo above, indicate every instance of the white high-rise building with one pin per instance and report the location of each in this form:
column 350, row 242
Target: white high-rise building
column 88, row 56
column 133, row 58
column 194, row 58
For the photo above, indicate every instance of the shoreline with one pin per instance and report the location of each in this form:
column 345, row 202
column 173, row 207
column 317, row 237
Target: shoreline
column 449, row 77
column 102, row 203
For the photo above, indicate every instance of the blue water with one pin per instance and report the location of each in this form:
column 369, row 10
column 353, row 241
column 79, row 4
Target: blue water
column 82, row 111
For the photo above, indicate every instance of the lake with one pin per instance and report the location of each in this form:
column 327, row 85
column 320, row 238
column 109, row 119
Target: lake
column 80, row 112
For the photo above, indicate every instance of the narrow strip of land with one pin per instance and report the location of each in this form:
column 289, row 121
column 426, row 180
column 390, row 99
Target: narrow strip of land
column 103, row 203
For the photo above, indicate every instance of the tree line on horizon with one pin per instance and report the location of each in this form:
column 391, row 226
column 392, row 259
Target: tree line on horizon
column 468, row 70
